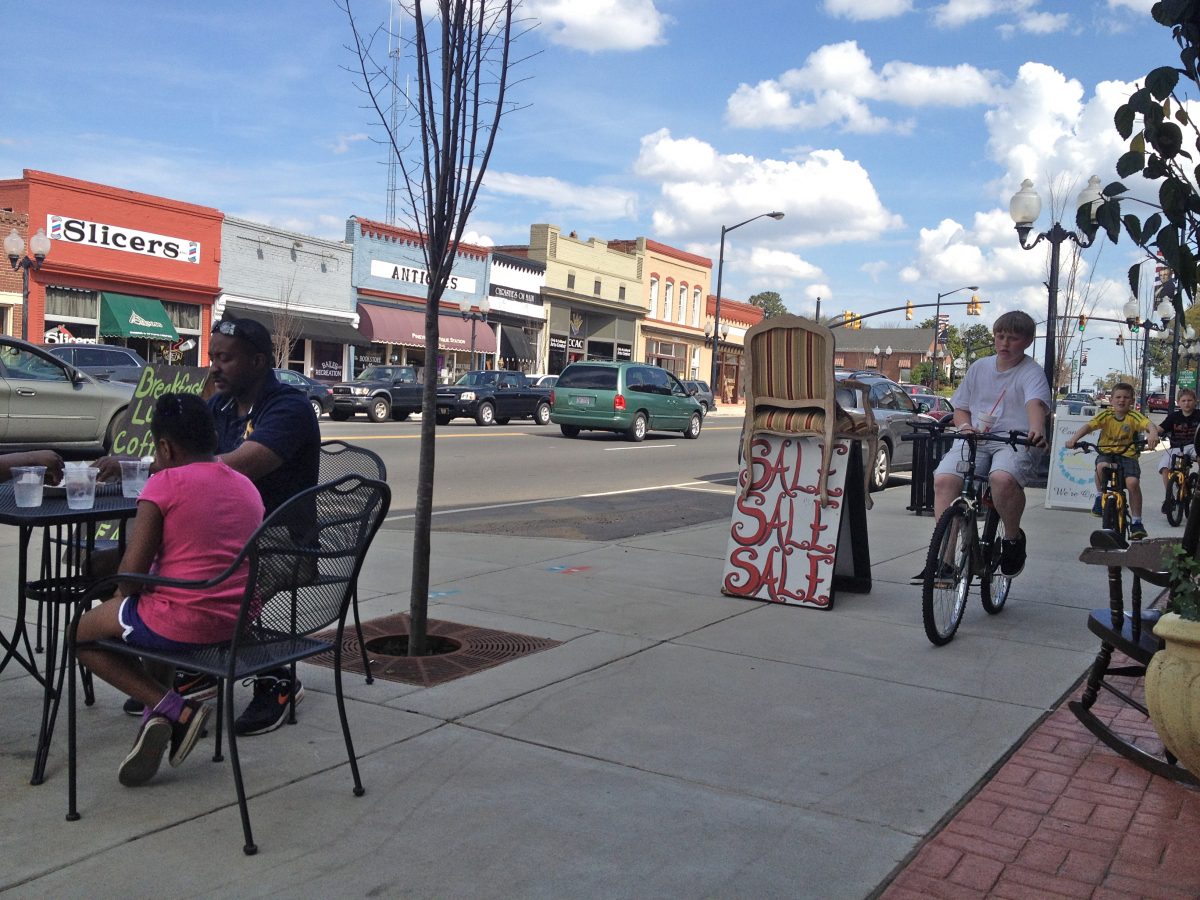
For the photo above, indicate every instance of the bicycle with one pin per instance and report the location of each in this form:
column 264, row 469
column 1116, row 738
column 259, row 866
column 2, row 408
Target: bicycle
column 958, row 552
column 1181, row 486
column 1114, row 502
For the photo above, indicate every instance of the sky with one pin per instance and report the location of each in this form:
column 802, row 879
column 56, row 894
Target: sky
column 891, row 133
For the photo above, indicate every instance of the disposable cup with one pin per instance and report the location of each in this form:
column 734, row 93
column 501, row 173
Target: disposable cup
column 986, row 421
column 80, row 482
column 134, row 473
column 27, row 485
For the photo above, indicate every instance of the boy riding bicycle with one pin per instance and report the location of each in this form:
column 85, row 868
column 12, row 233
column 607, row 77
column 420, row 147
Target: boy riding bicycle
column 1120, row 427
column 1179, row 427
column 1005, row 392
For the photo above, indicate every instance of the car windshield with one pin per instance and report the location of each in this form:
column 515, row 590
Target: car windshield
column 373, row 373
column 478, row 378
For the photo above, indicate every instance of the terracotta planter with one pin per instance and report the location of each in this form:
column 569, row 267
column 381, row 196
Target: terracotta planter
column 1173, row 689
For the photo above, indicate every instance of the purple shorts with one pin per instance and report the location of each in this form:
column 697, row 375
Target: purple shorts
column 137, row 633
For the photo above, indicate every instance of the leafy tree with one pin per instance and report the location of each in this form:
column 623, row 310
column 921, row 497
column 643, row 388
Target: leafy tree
column 442, row 146
column 770, row 303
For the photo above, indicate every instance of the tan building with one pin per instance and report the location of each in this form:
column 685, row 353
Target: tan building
column 736, row 319
column 908, row 348
column 592, row 295
column 673, row 291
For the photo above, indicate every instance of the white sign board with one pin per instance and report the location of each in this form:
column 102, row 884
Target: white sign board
column 1071, row 483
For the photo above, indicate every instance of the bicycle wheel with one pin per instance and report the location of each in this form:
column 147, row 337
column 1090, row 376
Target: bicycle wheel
column 1174, row 501
column 993, row 584
column 947, row 575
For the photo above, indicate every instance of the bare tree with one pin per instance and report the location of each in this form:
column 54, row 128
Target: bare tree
column 442, row 144
column 285, row 325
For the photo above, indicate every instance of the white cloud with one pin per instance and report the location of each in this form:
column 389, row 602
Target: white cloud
column 822, row 291
column 598, row 25
column 345, row 141
column 956, row 13
column 825, row 197
column 838, row 84
column 783, row 264
column 557, row 196
column 867, row 10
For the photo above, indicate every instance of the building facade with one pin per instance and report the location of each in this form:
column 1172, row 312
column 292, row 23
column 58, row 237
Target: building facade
column 10, row 278
column 592, row 295
column 855, row 350
column 736, row 320
column 124, row 267
column 515, row 307
column 299, row 287
column 390, row 284
column 674, row 288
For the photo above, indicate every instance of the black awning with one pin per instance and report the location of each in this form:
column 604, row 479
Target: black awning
column 310, row 328
column 515, row 347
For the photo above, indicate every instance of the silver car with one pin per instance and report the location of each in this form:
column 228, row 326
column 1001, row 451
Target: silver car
column 45, row 402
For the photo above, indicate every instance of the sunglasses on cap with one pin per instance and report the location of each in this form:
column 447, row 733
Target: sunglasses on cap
column 250, row 332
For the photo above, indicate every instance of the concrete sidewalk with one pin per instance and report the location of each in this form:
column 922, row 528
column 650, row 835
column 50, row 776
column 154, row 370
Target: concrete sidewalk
column 675, row 743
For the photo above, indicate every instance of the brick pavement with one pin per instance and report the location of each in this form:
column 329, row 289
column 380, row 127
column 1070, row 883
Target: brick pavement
column 1065, row 816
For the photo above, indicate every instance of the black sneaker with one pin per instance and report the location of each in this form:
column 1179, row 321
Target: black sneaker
column 194, row 685
column 131, row 707
column 1012, row 555
column 185, row 734
column 1137, row 531
column 1096, row 511
column 143, row 760
column 268, row 709
column 945, row 573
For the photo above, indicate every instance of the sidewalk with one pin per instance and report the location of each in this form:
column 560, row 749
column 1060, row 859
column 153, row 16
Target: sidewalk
column 675, row 742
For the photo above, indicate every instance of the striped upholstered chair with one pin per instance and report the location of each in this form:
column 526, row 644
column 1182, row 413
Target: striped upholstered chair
column 790, row 390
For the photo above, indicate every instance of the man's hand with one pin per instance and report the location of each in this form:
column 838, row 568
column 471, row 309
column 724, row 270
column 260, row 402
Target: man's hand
column 1036, row 438
column 48, row 458
column 110, row 468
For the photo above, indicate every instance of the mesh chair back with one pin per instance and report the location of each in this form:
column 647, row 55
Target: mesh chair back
column 301, row 576
column 339, row 458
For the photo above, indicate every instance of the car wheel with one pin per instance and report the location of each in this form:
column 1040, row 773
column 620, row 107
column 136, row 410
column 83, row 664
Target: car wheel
column 637, row 429
column 317, row 410
column 541, row 415
column 693, row 430
column 570, row 430
column 442, row 420
column 882, row 468
column 380, row 410
column 339, row 415
column 400, row 415
column 485, row 415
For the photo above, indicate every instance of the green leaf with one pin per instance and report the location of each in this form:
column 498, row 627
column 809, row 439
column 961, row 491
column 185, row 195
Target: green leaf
column 1135, row 273
column 1130, row 163
column 1123, row 120
column 1181, row 116
column 1167, row 242
column 1108, row 217
column 1172, row 197
column 1167, row 139
column 1161, row 81
column 1151, row 225
column 1132, row 227
column 1186, row 273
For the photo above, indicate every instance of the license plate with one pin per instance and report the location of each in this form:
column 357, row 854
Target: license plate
column 583, row 401
column 443, row 410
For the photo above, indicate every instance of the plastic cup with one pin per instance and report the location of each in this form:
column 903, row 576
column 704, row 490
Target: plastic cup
column 986, row 421
column 134, row 473
column 80, row 482
column 27, row 485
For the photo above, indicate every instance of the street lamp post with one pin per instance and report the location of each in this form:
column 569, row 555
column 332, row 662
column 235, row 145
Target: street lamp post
column 464, row 309
column 1132, row 311
column 1025, row 207
column 716, row 350
column 937, row 331
column 882, row 356
column 14, row 247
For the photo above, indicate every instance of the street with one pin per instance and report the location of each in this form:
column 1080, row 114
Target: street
column 529, row 480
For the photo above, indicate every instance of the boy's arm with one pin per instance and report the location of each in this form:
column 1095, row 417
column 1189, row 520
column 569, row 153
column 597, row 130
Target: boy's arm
column 962, row 419
column 1036, row 411
column 1086, row 428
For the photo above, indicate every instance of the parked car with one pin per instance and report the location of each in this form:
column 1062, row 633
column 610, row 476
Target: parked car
column 382, row 392
column 701, row 391
column 625, row 397
column 894, row 410
column 103, row 361
column 913, row 389
column 546, row 381
column 1157, row 402
column 46, row 402
column 319, row 395
column 932, row 407
column 493, row 396
column 1077, row 401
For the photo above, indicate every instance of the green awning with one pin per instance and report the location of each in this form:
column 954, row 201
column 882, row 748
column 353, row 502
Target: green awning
column 124, row 315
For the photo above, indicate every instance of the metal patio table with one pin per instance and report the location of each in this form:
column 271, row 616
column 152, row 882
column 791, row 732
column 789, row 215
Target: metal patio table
column 60, row 582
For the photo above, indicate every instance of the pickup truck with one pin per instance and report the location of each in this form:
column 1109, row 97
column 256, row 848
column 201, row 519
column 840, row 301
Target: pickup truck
column 493, row 397
column 382, row 392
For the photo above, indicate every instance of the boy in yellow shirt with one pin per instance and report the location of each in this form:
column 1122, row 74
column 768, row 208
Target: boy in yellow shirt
column 1120, row 426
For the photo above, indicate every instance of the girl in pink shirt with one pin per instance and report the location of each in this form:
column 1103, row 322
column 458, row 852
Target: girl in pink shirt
column 194, row 516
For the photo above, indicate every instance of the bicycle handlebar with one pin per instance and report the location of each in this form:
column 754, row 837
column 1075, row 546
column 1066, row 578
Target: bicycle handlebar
column 1089, row 447
column 1014, row 438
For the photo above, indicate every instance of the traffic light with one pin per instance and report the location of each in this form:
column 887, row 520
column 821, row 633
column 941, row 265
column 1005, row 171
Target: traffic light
column 1084, row 358
column 848, row 319
column 1082, row 322
column 1120, row 340
column 974, row 306
column 908, row 310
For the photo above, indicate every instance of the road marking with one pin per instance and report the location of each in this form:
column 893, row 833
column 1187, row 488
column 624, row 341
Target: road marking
column 643, row 447
column 683, row 485
column 413, row 437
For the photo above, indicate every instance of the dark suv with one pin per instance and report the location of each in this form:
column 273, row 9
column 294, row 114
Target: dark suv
column 107, row 362
column 894, row 410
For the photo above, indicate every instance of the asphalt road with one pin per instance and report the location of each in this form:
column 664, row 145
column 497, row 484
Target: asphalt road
column 532, row 481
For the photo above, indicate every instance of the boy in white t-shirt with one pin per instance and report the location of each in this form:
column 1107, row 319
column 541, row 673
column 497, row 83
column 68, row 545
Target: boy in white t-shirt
column 1012, row 387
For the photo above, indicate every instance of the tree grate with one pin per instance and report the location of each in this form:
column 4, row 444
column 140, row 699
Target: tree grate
column 469, row 649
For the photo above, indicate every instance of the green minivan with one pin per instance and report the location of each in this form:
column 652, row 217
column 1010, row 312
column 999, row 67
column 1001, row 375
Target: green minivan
column 626, row 397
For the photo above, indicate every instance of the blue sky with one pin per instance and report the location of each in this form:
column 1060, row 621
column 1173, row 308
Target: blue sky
column 891, row 132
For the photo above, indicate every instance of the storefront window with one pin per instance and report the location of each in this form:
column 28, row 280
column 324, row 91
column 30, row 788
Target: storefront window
column 600, row 350
column 66, row 303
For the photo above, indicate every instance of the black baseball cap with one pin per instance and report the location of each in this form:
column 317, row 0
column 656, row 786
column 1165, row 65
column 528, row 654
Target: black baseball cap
column 253, row 333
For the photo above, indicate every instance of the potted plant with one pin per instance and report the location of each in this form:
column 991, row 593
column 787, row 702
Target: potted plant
column 1173, row 676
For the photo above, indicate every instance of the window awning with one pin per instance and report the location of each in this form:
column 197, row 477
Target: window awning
column 405, row 327
column 310, row 328
column 128, row 316
column 514, row 346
